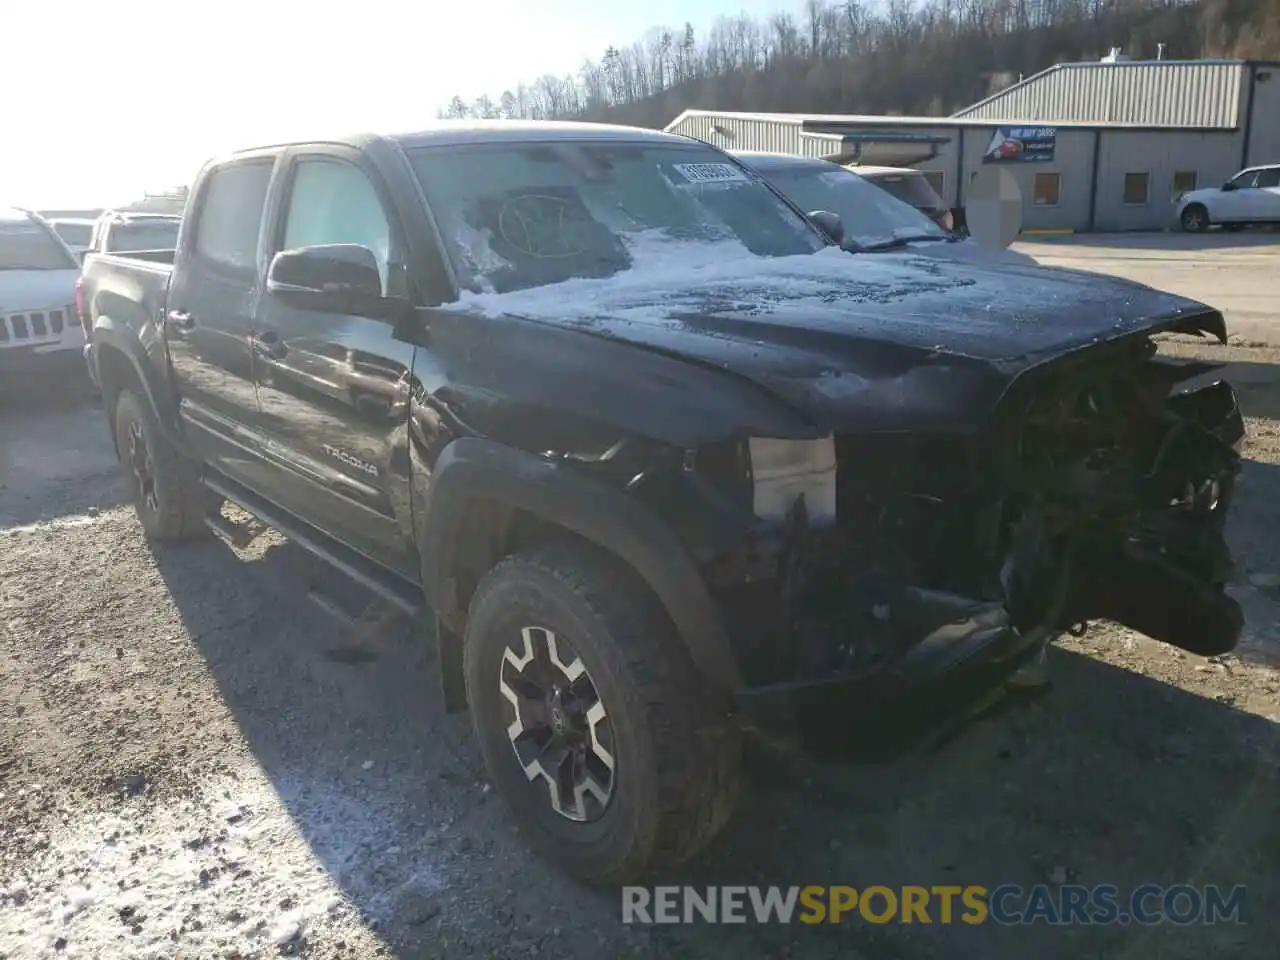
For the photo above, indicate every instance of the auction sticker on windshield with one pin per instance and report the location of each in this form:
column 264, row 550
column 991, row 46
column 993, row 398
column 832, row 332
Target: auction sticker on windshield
column 709, row 172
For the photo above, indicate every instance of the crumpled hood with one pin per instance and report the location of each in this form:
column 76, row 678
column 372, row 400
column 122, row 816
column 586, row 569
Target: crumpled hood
column 861, row 341
column 22, row 290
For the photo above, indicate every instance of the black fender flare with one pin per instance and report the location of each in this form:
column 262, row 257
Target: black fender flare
column 124, row 340
column 473, row 468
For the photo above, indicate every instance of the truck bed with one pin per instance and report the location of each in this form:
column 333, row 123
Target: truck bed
column 127, row 289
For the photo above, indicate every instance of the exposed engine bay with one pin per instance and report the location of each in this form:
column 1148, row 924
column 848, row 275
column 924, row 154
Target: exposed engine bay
column 1098, row 492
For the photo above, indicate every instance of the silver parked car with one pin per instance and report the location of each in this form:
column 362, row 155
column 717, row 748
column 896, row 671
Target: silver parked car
column 872, row 218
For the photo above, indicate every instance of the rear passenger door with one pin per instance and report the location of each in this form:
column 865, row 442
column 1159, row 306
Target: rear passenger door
column 334, row 389
column 209, row 315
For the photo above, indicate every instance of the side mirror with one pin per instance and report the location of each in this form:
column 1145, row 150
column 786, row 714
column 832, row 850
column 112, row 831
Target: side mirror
column 1229, row 186
column 329, row 278
column 830, row 224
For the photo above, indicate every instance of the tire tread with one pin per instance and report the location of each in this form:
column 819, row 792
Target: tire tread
column 689, row 726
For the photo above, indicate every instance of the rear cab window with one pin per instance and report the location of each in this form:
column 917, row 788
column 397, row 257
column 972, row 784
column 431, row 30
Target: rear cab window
column 229, row 216
column 138, row 235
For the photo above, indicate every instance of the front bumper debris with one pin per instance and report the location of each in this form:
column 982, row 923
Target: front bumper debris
column 969, row 649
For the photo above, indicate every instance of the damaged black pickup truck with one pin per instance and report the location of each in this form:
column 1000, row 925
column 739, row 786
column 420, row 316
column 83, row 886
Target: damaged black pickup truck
column 659, row 461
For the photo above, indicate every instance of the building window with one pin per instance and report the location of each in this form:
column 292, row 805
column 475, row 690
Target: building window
column 937, row 179
column 1045, row 191
column 1135, row 189
column 1184, row 181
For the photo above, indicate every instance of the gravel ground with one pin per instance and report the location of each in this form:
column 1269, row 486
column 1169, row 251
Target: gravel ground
column 195, row 761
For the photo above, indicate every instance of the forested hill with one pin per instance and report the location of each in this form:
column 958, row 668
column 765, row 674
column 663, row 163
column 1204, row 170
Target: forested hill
column 913, row 57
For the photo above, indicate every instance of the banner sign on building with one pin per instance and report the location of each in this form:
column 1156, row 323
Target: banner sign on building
column 1021, row 145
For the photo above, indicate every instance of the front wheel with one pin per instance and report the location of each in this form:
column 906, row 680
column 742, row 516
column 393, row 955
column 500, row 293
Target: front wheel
column 612, row 755
column 1195, row 219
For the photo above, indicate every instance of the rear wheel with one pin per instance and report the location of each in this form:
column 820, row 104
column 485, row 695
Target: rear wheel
column 167, row 493
column 613, row 756
column 1195, row 219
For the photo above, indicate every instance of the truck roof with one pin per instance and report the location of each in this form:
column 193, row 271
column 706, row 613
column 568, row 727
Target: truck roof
column 451, row 132
column 129, row 216
column 767, row 160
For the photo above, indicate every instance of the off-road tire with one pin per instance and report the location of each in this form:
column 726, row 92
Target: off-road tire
column 181, row 500
column 1195, row 219
column 677, row 751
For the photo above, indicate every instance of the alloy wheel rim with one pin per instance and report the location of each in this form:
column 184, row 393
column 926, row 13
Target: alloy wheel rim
column 557, row 724
column 142, row 467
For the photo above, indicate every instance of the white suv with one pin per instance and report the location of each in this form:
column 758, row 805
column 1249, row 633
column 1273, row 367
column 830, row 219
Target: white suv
column 1252, row 196
column 39, row 326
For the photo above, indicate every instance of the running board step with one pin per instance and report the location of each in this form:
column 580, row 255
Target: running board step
column 228, row 530
column 387, row 585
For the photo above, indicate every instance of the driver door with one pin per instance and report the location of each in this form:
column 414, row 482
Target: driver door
column 1267, row 186
column 333, row 389
column 1235, row 205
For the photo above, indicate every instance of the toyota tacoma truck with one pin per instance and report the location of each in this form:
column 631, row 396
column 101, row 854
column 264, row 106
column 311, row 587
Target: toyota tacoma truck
column 662, row 465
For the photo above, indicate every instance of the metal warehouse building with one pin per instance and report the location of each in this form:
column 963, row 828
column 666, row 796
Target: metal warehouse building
column 1093, row 146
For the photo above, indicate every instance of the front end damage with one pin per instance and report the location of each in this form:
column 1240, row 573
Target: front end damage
column 1099, row 491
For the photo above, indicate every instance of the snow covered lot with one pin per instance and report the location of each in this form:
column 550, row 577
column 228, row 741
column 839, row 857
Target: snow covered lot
column 195, row 762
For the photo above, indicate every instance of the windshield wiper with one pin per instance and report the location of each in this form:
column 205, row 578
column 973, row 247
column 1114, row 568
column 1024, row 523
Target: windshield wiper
column 891, row 243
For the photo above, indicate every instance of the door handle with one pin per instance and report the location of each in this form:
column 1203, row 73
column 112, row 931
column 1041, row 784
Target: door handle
column 268, row 344
column 179, row 319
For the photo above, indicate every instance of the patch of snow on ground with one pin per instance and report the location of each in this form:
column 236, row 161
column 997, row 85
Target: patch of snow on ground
column 224, row 873
column 59, row 523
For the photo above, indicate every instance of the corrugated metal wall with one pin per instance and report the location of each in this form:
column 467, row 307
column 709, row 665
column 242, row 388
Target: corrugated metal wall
column 1264, row 145
column 1212, row 157
column 1072, row 162
column 776, row 136
column 1162, row 93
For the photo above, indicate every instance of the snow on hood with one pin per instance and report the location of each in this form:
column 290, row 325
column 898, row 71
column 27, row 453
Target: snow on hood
column 22, row 290
column 981, row 308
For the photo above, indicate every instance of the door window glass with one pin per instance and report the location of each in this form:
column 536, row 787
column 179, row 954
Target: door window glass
column 334, row 202
column 1268, row 178
column 230, row 216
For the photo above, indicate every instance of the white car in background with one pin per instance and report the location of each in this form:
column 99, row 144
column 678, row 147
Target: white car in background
column 1251, row 197
column 40, row 332
column 873, row 219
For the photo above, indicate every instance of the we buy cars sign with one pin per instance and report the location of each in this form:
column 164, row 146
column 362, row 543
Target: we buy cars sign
column 1021, row 145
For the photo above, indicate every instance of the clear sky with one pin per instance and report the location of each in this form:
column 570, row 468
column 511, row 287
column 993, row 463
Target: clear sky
column 101, row 99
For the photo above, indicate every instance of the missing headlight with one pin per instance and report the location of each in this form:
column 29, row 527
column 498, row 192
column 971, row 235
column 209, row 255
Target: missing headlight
column 784, row 470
